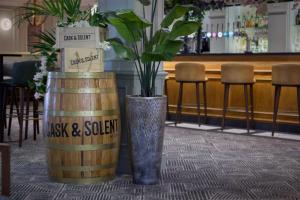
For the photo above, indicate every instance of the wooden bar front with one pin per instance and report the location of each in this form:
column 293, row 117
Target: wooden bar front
column 263, row 89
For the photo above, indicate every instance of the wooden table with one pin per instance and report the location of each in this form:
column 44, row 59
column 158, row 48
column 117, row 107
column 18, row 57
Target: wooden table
column 2, row 95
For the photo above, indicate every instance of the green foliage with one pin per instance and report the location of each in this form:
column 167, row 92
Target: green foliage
column 66, row 12
column 129, row 25
column 46, row 47
column 123, row 51
column 98, row 19
column 176, row 12
column 146, row 46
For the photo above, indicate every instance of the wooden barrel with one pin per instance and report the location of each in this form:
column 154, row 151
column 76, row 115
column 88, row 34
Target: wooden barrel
column 82, row 125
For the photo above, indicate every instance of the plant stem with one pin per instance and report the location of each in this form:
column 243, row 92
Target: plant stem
column 154, row 5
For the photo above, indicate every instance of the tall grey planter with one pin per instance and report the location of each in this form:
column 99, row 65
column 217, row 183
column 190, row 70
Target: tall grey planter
column 146, row 122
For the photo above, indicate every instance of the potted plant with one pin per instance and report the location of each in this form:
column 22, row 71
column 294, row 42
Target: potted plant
column 148, row 48
column 69, row 16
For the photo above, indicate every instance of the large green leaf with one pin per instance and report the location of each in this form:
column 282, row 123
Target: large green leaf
column 130, row 16
column 152, row 56
column 169, row 47
column 175, row 13
column 121, row 50
column 124, row 30
column 183, row 28
column 158, row 38
column 128, row 25
column 164, row 51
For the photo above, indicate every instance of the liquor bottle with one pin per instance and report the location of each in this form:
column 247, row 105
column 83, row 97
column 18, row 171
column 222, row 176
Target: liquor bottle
column 220, row 33
column 230, row 33
column 248, row 21
column 243, row 23
column 265, row 21
column 256, row 22
column 226, row 33
column 298, row 18
column 238, row 22
column 251, row 22
column 233, row 30
column 262, row 21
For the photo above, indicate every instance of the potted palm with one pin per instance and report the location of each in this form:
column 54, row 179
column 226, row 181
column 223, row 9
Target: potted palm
column 148, row 48
column 69, row 16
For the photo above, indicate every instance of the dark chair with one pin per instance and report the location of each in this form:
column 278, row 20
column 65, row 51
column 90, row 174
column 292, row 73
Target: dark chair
column 5, row 169
column 238, row 74
column 191, row 73
column 285, row 75
column 22, row 73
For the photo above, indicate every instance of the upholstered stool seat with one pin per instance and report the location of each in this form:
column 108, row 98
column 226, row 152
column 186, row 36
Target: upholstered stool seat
column 287, row 75
column 191, row 73
column 238, row 74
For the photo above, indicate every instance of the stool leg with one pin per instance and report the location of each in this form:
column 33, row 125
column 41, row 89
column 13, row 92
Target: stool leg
column 276, row 105
column 16, row 104
column 37, row 116
column 298, row 95
column 2, row 113
column 166, row 93
column 247, row 106
column 27, row 114
column 12, row 102
column 205, row 101
column 5, row 102
column 22, row 97
column 252, row 106
column 225, row 103
column 35, row 122
column 179, row 103
column 198, row 102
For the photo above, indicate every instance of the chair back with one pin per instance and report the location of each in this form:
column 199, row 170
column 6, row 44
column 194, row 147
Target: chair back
column 22, row 72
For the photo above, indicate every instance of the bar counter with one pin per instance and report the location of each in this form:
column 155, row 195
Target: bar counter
column 263, row 89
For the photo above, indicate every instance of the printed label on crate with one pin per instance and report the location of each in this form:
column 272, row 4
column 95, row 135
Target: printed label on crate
column 77, row 37
column 83, row 60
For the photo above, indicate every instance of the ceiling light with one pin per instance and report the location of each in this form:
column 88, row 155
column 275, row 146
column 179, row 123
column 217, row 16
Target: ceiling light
column 5, row 24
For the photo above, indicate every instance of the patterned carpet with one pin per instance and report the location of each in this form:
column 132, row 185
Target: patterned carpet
column 196, row 165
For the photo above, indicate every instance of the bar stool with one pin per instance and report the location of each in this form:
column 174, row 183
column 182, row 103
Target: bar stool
column 238, row 74
column 287, row 75
column 191, row 73
column 22, row 73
